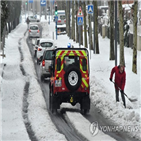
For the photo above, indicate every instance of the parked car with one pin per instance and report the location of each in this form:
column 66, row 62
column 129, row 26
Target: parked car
column 61, row 17
column 33, row 19
column 61, row 29
column 43, row 45
column 69, row 80
column 34, row 31
column 46, row 62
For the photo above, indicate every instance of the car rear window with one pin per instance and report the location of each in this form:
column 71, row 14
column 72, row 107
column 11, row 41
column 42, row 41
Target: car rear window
column 34, row 27
column 62, row 17
column 46, row 44
column 48, row 55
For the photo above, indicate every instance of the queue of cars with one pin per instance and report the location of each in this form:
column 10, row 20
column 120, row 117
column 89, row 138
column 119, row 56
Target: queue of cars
column 68, row 72
column 43, row 49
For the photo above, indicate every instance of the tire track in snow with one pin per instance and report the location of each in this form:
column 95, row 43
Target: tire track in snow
column 27, row 123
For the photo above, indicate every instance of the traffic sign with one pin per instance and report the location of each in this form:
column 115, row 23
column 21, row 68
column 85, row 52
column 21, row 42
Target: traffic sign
column 90, row 9
column 56, row 18
column 43, row 2
column 30, row 1
column 80, row 13
column 79, row 20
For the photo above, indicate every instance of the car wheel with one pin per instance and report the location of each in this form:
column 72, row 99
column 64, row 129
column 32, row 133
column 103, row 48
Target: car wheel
column 42, row 78
column 84, row 111
column 50, row 104
column 53, row 110
column 35, row 54
column 37, row 61
column 72, row 78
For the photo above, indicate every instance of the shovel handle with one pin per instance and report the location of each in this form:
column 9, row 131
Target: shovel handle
column 120, row 89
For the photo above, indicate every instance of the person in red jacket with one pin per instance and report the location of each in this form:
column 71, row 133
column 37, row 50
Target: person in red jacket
column 120, row 78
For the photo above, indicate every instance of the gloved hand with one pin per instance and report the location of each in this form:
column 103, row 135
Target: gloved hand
column 121, row 91
column 110, row 79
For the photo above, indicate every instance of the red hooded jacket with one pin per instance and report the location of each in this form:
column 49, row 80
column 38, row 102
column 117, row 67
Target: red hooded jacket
column 120, row 78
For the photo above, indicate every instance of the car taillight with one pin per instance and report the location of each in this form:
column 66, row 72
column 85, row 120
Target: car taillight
column 43, row 63
column 38, row 31
column 29, row 30
column 59, row 21
column 64, row 21
column 39, row 49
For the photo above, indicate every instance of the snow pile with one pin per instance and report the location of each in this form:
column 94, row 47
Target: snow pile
column 12, row 85
column 103, row 92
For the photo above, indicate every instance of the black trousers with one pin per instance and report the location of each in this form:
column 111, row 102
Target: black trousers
column 122, row 96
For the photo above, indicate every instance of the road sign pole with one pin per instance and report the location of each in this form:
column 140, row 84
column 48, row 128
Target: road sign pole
column 56, row 29
column 79, row 36
column 93, row 33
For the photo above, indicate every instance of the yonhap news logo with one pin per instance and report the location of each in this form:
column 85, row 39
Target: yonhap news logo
column 94, row 128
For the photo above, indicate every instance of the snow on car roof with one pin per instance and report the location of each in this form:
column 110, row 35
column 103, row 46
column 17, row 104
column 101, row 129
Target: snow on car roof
column 33, row 25
column 46, row 40
column 59, row 26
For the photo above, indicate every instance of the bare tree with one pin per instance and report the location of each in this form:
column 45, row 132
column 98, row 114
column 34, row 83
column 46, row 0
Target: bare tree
column 112, row 56
column 90, row 31
column 3, row 16
column 66, row 17
column 122, row 61
column 96, row 27
column 134, row 63
column 85, row 28
column 73, row 23
column 80, row 5
column 76, row 8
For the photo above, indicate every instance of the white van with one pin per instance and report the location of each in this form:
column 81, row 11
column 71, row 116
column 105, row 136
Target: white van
column 61, row 17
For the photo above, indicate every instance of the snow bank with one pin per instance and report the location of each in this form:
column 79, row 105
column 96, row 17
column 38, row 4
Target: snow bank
column 12, row 85
column 103, row 93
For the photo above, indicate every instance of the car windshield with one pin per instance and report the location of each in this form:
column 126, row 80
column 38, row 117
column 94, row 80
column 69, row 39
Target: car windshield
column 48, row 55
column 31, row 17
column 68, row 60
column 34, row 27
column 46, row 44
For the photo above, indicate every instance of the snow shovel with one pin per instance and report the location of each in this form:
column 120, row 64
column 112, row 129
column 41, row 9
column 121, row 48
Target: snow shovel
column 132, row 100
